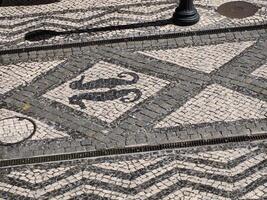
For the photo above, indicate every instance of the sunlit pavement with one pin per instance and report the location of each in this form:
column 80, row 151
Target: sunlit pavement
column 154, row 111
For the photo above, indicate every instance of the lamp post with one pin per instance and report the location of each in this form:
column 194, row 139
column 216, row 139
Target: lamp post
column 185, row 14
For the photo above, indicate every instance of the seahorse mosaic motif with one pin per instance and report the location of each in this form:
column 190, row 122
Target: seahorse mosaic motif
column 104, row 83
column 110, row 95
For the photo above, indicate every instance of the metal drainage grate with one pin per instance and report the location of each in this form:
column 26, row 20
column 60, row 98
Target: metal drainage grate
column 29, row 36
column 4, row 3
column 130, row 150
column 237, row 9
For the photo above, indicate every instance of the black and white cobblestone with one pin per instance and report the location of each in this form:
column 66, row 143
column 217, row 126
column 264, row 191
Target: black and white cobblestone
column 139, row 88
column 14, row 128
column 202, row 58
column 216, row 172
column 177, row 103
column 69, row 19
column 261, row 71
column 19, row 74
column 107, row 110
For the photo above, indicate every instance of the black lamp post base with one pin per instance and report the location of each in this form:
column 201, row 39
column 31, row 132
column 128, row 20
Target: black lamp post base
column 185, row 17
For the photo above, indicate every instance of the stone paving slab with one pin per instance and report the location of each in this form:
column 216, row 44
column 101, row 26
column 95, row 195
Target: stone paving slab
column 232, row 171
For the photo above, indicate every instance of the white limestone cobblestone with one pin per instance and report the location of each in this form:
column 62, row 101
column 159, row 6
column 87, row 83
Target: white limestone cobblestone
column 203, row 58
column 17, row 130
column 261, row 71
column 213, row 104
column 14, row 75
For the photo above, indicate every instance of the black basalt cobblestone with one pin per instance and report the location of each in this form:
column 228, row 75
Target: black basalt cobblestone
column 185, row 154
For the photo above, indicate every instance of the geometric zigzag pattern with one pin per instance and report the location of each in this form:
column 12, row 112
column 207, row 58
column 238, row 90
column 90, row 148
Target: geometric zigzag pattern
column 82, row 19
column 11, row 31
column 232, row 173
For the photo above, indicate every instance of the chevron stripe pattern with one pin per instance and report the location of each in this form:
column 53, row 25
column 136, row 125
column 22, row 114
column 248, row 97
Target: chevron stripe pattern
column 13, row 29
column 81, row 19
column 229, row 172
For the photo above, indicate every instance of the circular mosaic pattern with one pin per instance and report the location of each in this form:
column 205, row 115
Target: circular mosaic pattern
column 237, row 9
column 16, row 129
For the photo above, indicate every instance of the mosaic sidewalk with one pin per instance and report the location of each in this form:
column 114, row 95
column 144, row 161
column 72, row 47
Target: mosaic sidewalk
column 107, row 98
column 218, row 172
column 155, row 112
column 68, row 15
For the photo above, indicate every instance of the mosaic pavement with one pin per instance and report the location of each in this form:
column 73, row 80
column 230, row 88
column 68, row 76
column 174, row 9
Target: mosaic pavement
column 68, row 15
column 228, row 172
column 164, row 112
